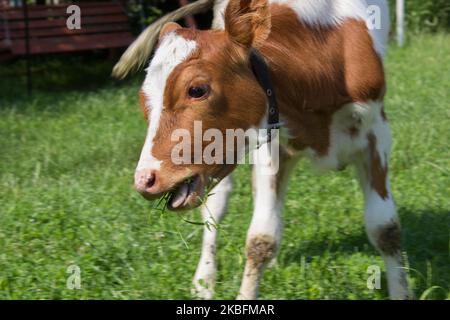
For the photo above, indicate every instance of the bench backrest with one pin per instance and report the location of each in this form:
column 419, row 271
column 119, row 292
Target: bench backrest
column 48, row 24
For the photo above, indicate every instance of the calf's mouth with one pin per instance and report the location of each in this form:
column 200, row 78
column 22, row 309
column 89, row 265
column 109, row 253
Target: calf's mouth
column 188, row 194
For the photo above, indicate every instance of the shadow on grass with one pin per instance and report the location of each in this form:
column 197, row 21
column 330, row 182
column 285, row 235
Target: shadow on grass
column 426, row 239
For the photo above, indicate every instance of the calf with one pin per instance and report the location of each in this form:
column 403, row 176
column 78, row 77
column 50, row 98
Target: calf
column 326, row 67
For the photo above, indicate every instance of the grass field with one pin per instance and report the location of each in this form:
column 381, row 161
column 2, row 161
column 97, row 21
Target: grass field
column 67, row 158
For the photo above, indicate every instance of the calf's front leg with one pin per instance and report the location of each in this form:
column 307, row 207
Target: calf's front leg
column 264, row 234
column 212, row 212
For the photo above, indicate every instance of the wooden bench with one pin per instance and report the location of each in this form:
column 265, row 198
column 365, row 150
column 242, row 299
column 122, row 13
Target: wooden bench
column 104, row 25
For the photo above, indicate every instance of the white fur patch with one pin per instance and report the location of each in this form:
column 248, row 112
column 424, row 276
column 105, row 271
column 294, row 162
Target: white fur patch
column 173, row 50
column 365, row 117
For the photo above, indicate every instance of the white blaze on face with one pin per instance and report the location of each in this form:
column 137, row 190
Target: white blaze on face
column 172, row 51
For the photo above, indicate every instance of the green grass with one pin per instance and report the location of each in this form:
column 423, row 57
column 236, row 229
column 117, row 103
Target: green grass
column 67, row 159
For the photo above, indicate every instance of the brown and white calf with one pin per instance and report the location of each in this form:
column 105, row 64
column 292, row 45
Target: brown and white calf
column 326, row 64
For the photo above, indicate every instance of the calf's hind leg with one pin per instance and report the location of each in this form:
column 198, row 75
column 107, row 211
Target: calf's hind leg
column 381, row 220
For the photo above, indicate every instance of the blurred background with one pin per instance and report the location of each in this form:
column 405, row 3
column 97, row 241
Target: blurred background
column 70, row 137
column 104, row 18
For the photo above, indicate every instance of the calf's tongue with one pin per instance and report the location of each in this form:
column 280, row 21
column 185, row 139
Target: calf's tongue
column 180, row 196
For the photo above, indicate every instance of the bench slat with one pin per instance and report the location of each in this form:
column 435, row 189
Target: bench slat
column 35, row 24
column 40, row 7
column 74, row 43
column 61, row 31
column 60, row 12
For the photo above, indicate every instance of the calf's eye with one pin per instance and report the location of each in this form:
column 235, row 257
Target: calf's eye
column 198, row 92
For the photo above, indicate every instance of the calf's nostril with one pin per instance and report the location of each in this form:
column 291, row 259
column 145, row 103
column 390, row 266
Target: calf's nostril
column 150, row 181
column 144, row 181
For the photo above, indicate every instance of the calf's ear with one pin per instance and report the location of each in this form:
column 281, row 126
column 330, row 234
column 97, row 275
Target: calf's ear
column 248, row 22
column 168, row 27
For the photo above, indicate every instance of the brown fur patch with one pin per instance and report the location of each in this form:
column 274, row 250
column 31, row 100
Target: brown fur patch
column 168, row 27
column 389, row 239
column 378, row 172
column 260, row 249
column 142, row 104
column 317, row 70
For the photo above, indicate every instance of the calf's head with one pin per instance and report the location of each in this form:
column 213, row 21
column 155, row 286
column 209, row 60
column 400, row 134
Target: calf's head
column 201, row 77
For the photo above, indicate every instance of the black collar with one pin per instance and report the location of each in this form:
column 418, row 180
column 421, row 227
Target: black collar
column 261, row 72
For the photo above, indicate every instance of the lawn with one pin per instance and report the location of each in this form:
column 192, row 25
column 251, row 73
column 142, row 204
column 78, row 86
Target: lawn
column 67, row 158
